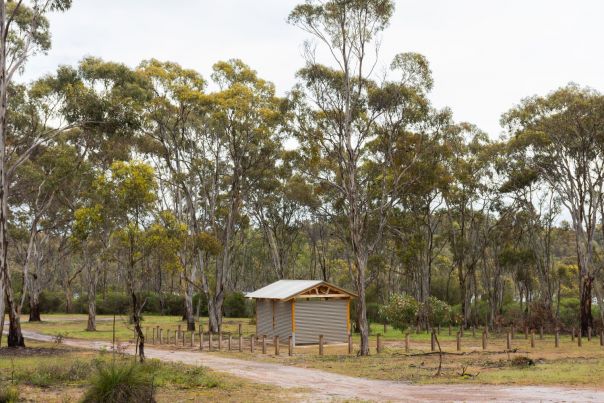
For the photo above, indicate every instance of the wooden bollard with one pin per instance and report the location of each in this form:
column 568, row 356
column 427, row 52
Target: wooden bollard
column 379, row 343
column 557, row 339
column 229, row 342
column 276, row 342
column 509, row 341
column 458, row 341
column 240, row 343
column 484, row 340
column 320, row 344
column 219, row 340
column 200, row 338
column 541, row 333
column 253, row 343
column 263, row 344
column 589, row 333
column 290, row 346
column 183, row 338
column 239, row 329
column 432, row 341
column 161, row 334
column 532, row 339
column 406, row 342
column 579, row 334
column 349, row 343
column 153, row 334
column 210, row 337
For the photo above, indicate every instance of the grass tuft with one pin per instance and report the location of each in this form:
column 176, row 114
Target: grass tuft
column 120, row 383
column 8, row 394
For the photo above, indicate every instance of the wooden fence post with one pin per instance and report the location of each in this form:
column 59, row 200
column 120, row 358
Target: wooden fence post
column 161, row 333
column 407, row 342
column 153, row 333
column 263, row 344
column 290, row 346
column 229, row 343
column 602, row 337
column 432, row 341
column 379, row 343
column 240, row 342
column 192, row 339
column 219, row 339
column 484, row 340
column 320, row 344
column 349, row 343
column 200, row 338
column 459, row 341
column 183, row 337
column 239, row 329
column 557, row 339
column 532, row 339
column 579, row 334
column 509, row 341
column 167, row 336
column 253, row 343
column 276, row 341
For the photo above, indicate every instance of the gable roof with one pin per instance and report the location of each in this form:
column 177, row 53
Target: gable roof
column 287, row 289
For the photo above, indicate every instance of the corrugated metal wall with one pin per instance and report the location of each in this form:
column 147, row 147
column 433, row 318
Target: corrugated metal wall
column 283, row 320
column 264, row 318
column 326, row 317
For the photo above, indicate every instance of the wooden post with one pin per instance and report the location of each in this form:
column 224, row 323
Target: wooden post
column 557, row 339
column 183, row 338
column 200, row 338
column 432, row 341
column 276, row 341
column 219, row 339
column 229, row 343
column 153, row 333
column 161, row 333
column 579, row 334
column 458, row 340
column 602, row 337
column 320, row 344
column 589, row 333
column 240, row 342
column 210, row 334
column 406, row 342
column 379, row 343
column 263, row 344
column 349, row 343
column 484, row 340
column 253, row 343
column 290, row 346
column 239, row 326
column 509, row 341
column 532, row 339
column 541, row 333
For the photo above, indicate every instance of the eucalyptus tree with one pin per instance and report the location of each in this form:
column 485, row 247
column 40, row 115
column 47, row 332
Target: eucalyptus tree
column 560, row 136
column 358, row 139
column 24, row 32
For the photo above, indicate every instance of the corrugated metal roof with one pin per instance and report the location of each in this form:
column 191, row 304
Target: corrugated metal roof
column 283, row 289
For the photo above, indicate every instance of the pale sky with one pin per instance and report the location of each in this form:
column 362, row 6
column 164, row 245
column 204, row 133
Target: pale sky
column 485, row 55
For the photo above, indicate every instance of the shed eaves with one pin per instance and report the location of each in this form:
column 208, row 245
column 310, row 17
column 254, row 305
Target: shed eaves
column 283, row 289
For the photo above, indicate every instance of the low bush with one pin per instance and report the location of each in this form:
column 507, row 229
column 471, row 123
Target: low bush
column 236, row 306
column 9, row 394
column 120, row 383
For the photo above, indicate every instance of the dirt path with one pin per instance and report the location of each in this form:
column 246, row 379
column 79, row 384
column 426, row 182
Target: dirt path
column 327, row 386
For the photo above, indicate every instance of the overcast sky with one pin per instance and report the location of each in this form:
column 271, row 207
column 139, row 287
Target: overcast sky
column 485, row 54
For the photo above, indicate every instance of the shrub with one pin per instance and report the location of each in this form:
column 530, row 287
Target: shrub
column 9, row 394
column 120, row 383
column 236, row 306
column 401, row 311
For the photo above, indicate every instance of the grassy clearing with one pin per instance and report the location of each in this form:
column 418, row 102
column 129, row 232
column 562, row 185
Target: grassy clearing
column 55, row 373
